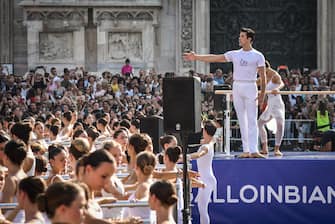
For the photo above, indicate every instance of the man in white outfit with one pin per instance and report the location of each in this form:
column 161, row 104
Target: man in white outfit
column 247, row 62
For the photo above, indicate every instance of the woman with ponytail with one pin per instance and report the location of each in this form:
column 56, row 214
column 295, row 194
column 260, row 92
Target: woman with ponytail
column 29, row 189
column 145, row 165
column 162, row 198
column 63, row 202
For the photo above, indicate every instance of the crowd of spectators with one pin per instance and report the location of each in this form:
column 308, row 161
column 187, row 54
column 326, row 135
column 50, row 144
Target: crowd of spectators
column 73, row 122
column 40, row 92
column 83, row 127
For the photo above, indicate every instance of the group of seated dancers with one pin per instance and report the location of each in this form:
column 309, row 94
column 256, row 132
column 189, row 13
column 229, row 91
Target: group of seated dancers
column 68, row 178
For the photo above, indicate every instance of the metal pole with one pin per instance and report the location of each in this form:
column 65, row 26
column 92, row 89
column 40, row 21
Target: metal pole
column 186, row 181
column 227, row 125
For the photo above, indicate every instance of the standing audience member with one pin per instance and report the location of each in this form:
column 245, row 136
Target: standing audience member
column 127, row 69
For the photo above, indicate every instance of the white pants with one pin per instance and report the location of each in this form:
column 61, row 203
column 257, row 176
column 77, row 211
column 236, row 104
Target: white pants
column 204, row 197
column 245, row 103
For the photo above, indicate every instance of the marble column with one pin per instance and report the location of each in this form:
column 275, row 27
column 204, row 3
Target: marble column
column 202, row 33
column 6, row 32
column 326, row 35
column 19, row 39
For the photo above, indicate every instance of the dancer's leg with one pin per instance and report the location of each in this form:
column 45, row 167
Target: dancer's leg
column 279, row 136
column 204, row 196
column 263, row 135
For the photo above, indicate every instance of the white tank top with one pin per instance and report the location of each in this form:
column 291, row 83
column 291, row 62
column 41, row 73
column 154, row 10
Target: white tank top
column 144, row 212
column 113, row 212
column 271, row 86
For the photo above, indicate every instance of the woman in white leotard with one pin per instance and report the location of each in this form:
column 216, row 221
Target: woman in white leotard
column 275, row 109
column 162, row 198
column 145, row 165
column 204, row 158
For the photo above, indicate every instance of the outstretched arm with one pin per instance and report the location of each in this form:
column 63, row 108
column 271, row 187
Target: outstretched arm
column 200, row 153
column 192, row 56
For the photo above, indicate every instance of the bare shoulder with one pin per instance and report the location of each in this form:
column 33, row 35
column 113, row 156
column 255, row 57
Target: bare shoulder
column 204, row 148
column 275, row 77
column 11, row 181
column 57, row 178
column 142, row 190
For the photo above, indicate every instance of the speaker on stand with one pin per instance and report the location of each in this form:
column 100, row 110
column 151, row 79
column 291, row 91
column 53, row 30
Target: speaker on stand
column 182, row 114
column 153, row 126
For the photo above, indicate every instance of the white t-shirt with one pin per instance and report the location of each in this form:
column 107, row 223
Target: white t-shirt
column 245, row 63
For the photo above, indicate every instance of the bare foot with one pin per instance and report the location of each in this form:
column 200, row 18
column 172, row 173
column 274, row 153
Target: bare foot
column 244, row 155
column 278, row 153
column 257, row 155
column 264, row 152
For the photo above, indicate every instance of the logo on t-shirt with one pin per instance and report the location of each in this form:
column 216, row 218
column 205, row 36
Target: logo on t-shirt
column 243, row 62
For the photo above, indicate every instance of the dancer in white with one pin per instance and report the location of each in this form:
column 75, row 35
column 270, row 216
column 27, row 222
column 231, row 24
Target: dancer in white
column 246, row 63
column 204, row 158
column 275, row 109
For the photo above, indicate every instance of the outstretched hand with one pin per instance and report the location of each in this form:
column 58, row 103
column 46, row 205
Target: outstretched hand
column 189, row 56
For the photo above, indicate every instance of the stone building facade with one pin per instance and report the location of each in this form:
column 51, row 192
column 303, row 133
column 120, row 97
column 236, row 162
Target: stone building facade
column 101, row 34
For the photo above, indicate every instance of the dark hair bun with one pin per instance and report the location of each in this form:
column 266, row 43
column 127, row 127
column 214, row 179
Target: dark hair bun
column 173, row 199
column 41, row 201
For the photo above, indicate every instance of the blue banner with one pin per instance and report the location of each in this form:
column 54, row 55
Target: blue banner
column 271, row 191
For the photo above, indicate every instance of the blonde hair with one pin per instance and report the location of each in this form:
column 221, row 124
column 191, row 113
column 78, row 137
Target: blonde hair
column 146, row 161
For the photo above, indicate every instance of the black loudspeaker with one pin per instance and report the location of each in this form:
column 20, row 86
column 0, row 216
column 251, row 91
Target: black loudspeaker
column 182, row 104
column 220, row 100
column 153, row 126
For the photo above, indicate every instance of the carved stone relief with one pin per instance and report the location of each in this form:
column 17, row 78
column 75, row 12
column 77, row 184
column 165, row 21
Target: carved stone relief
column 56, row 47
column 123, row 44
column 117, row 14
column 46, row 14
column 186, row 29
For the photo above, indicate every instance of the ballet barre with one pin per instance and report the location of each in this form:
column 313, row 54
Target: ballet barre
column 229, row 93
column 223, row 92
column 118, row 204
column 128, row 204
